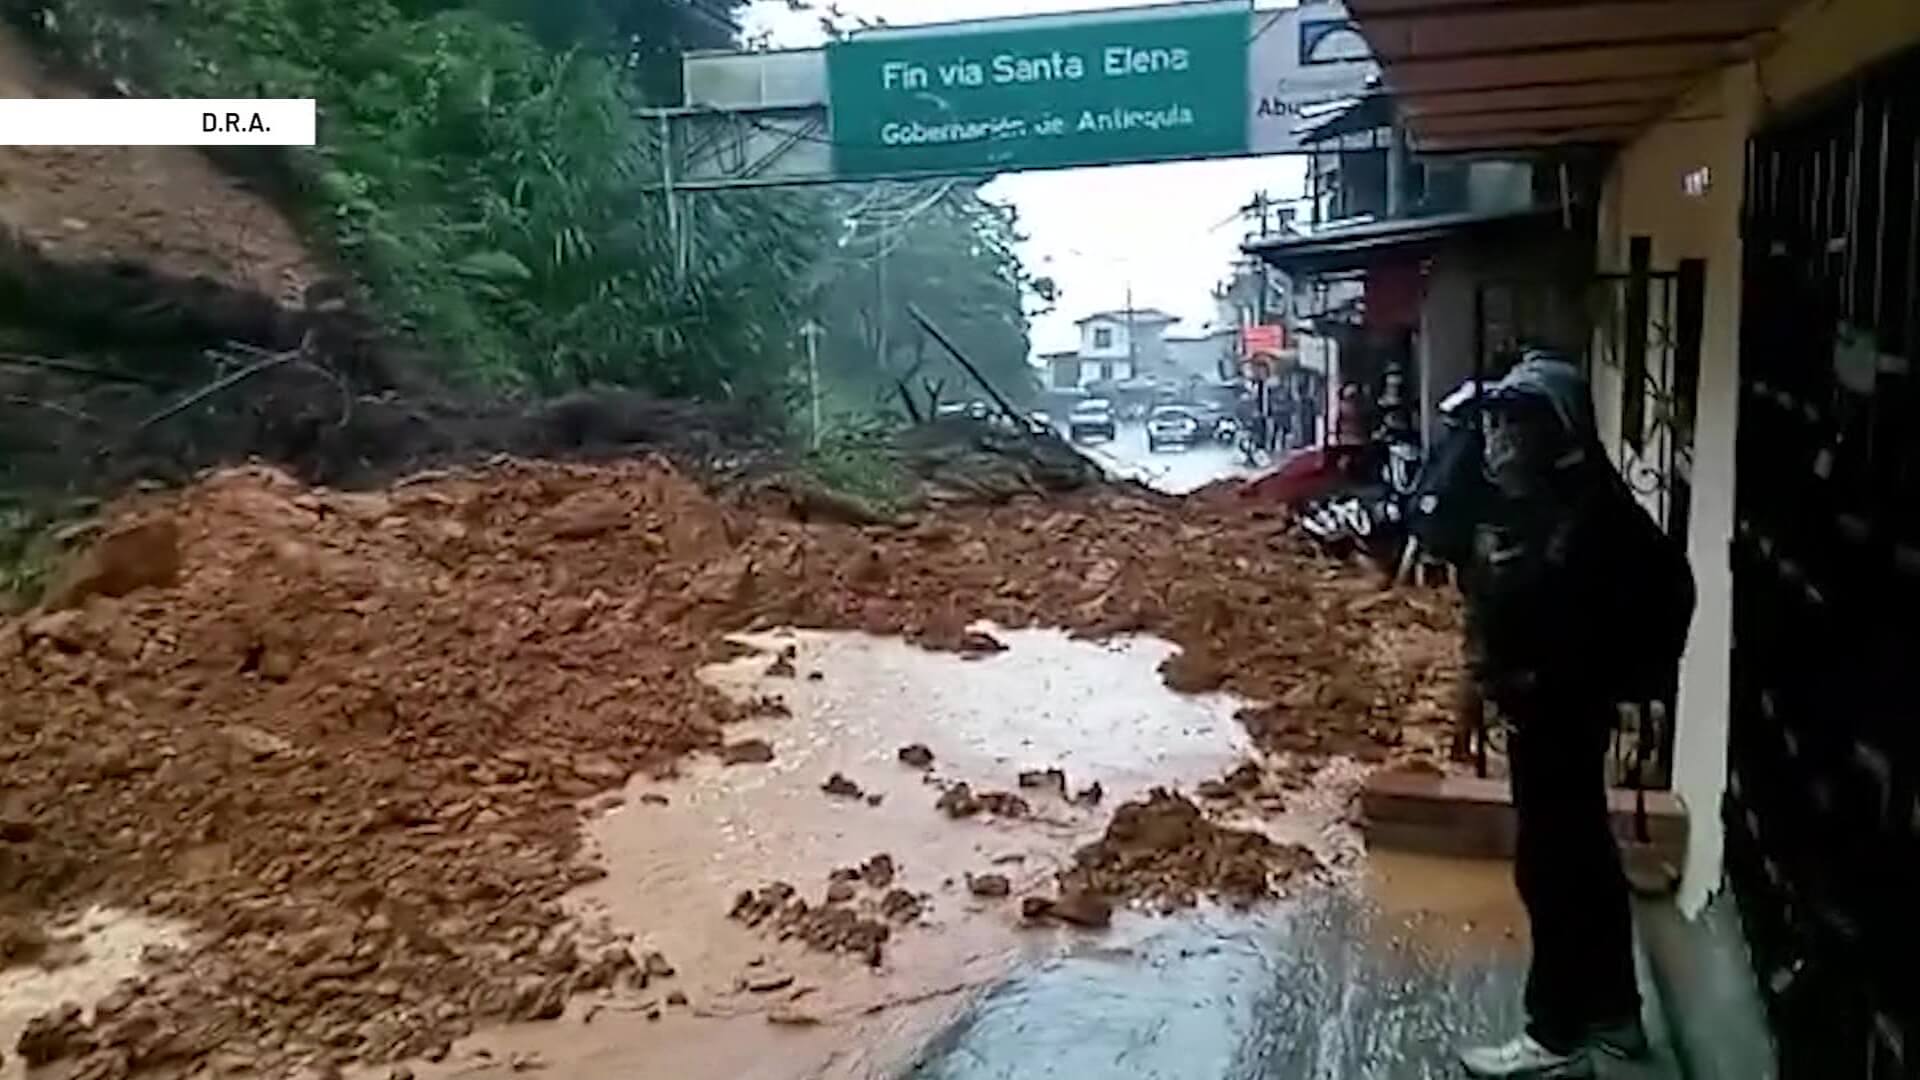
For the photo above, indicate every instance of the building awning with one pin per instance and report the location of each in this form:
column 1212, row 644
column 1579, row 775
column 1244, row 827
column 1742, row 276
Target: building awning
column 1355, row 247
column 1494, row 75
column 1364, row 115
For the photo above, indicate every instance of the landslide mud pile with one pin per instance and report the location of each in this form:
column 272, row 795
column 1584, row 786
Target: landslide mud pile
column 347, row 737
column 1162, row 849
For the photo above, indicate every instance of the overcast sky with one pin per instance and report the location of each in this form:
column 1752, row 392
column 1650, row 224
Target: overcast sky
column 1166, row 231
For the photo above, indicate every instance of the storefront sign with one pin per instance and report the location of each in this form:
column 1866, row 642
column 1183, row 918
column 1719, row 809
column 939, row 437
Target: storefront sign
column 1108, row 87
column 1306, row 62
column 1262, row 339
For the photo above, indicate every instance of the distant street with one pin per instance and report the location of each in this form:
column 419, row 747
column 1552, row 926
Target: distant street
column 1176, row 472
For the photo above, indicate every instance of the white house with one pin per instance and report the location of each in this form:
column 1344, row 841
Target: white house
column 1115, row 347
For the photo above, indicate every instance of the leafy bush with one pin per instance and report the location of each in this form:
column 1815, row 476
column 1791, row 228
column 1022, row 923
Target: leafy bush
column 482, row 171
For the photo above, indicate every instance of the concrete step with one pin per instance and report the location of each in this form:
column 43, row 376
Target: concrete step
column 1469, row 817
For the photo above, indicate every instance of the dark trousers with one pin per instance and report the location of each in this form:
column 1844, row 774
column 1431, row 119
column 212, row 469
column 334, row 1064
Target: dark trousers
column 1568, row 870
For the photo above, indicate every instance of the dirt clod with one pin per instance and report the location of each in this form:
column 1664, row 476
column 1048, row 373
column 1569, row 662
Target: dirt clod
column 840, row 786
column 656, row 966
column 975, row 644
column 782, row 666
column 747, row 752
column 901, row 906
column 1163, row 849
column 989, row 886
column 54, row 1036
column 1091, row 795
column 916, row 755
column 878, row 871
column 958, row 801
column 1084, row 909
column 1054, row 780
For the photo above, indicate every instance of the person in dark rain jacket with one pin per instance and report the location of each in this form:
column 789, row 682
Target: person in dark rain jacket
column 1577, row 603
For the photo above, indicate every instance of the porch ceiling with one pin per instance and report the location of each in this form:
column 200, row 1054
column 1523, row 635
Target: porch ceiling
column 1499, row 74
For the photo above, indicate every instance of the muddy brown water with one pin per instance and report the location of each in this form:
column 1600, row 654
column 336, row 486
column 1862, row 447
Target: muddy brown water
column 1356, row 956
column 679, row 850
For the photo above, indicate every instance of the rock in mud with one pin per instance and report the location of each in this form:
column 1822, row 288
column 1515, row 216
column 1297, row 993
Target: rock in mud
column 677, row 998
column 747, row 752
column 1004, row 804
column 782, row 666
column 656, row 966
column 768, row 982
column 841, row 892
column 1083, row 909
column 1162, row 848
column 539, row 999
column 975, row 645
column 1054, row 780
column 989, row 886
column 54, row 1036
column 1036, row 908
column 901, row 906
column 840, row 786
column 916, row 755
column 957, row 801
column 878, row 871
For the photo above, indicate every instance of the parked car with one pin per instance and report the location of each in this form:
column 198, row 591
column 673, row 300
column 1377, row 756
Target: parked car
column 1171, row 425
column 1092, row 419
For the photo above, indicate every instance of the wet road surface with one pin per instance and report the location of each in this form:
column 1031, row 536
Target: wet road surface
column 1378, row 969
column 1176, row 472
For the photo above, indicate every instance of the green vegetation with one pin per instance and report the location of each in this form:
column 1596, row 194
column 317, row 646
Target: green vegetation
column 483, row 174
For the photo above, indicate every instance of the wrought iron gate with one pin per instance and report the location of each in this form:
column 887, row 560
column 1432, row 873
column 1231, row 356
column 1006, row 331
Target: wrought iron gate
column 1822, row 810
column 1647, row 329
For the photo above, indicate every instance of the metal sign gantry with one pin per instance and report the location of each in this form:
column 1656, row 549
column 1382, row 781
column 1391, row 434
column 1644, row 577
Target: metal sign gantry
column 1007, row 95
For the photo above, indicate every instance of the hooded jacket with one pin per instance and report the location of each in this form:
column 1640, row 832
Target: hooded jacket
column 1577, row 591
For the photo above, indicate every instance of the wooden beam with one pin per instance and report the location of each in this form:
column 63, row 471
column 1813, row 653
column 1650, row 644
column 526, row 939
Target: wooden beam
column 1537, row 120
column 1513, row 30
column 1572, row 67
column 1489, row 142
column 1642, row 91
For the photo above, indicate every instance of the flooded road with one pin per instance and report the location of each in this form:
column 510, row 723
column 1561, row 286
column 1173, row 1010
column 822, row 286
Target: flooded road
column 1376, row 968
column 679, row 850
column 1176, row 472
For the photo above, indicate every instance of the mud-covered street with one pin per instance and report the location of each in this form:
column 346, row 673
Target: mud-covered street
column 477, row 771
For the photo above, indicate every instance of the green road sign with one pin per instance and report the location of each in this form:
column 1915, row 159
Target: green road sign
column 1150, row 84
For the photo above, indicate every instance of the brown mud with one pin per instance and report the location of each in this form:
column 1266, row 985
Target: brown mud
column 350, row 743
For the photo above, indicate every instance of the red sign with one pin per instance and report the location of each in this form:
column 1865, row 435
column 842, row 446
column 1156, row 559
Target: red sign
column 1266, row 338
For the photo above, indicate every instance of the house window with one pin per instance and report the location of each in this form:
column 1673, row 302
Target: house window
column 1103, row 337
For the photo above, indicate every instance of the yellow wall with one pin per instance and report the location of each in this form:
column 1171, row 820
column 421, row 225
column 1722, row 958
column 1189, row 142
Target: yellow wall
column 1818, row 46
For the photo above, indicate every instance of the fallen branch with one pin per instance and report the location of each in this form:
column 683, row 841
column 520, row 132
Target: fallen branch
column 223, row 383
column 1006, row 407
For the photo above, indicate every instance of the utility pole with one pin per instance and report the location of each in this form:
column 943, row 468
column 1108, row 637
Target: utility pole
column 812, row 331
column 1260, row 303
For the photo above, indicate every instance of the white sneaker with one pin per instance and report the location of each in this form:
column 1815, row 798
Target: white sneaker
column 1525, row 1059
